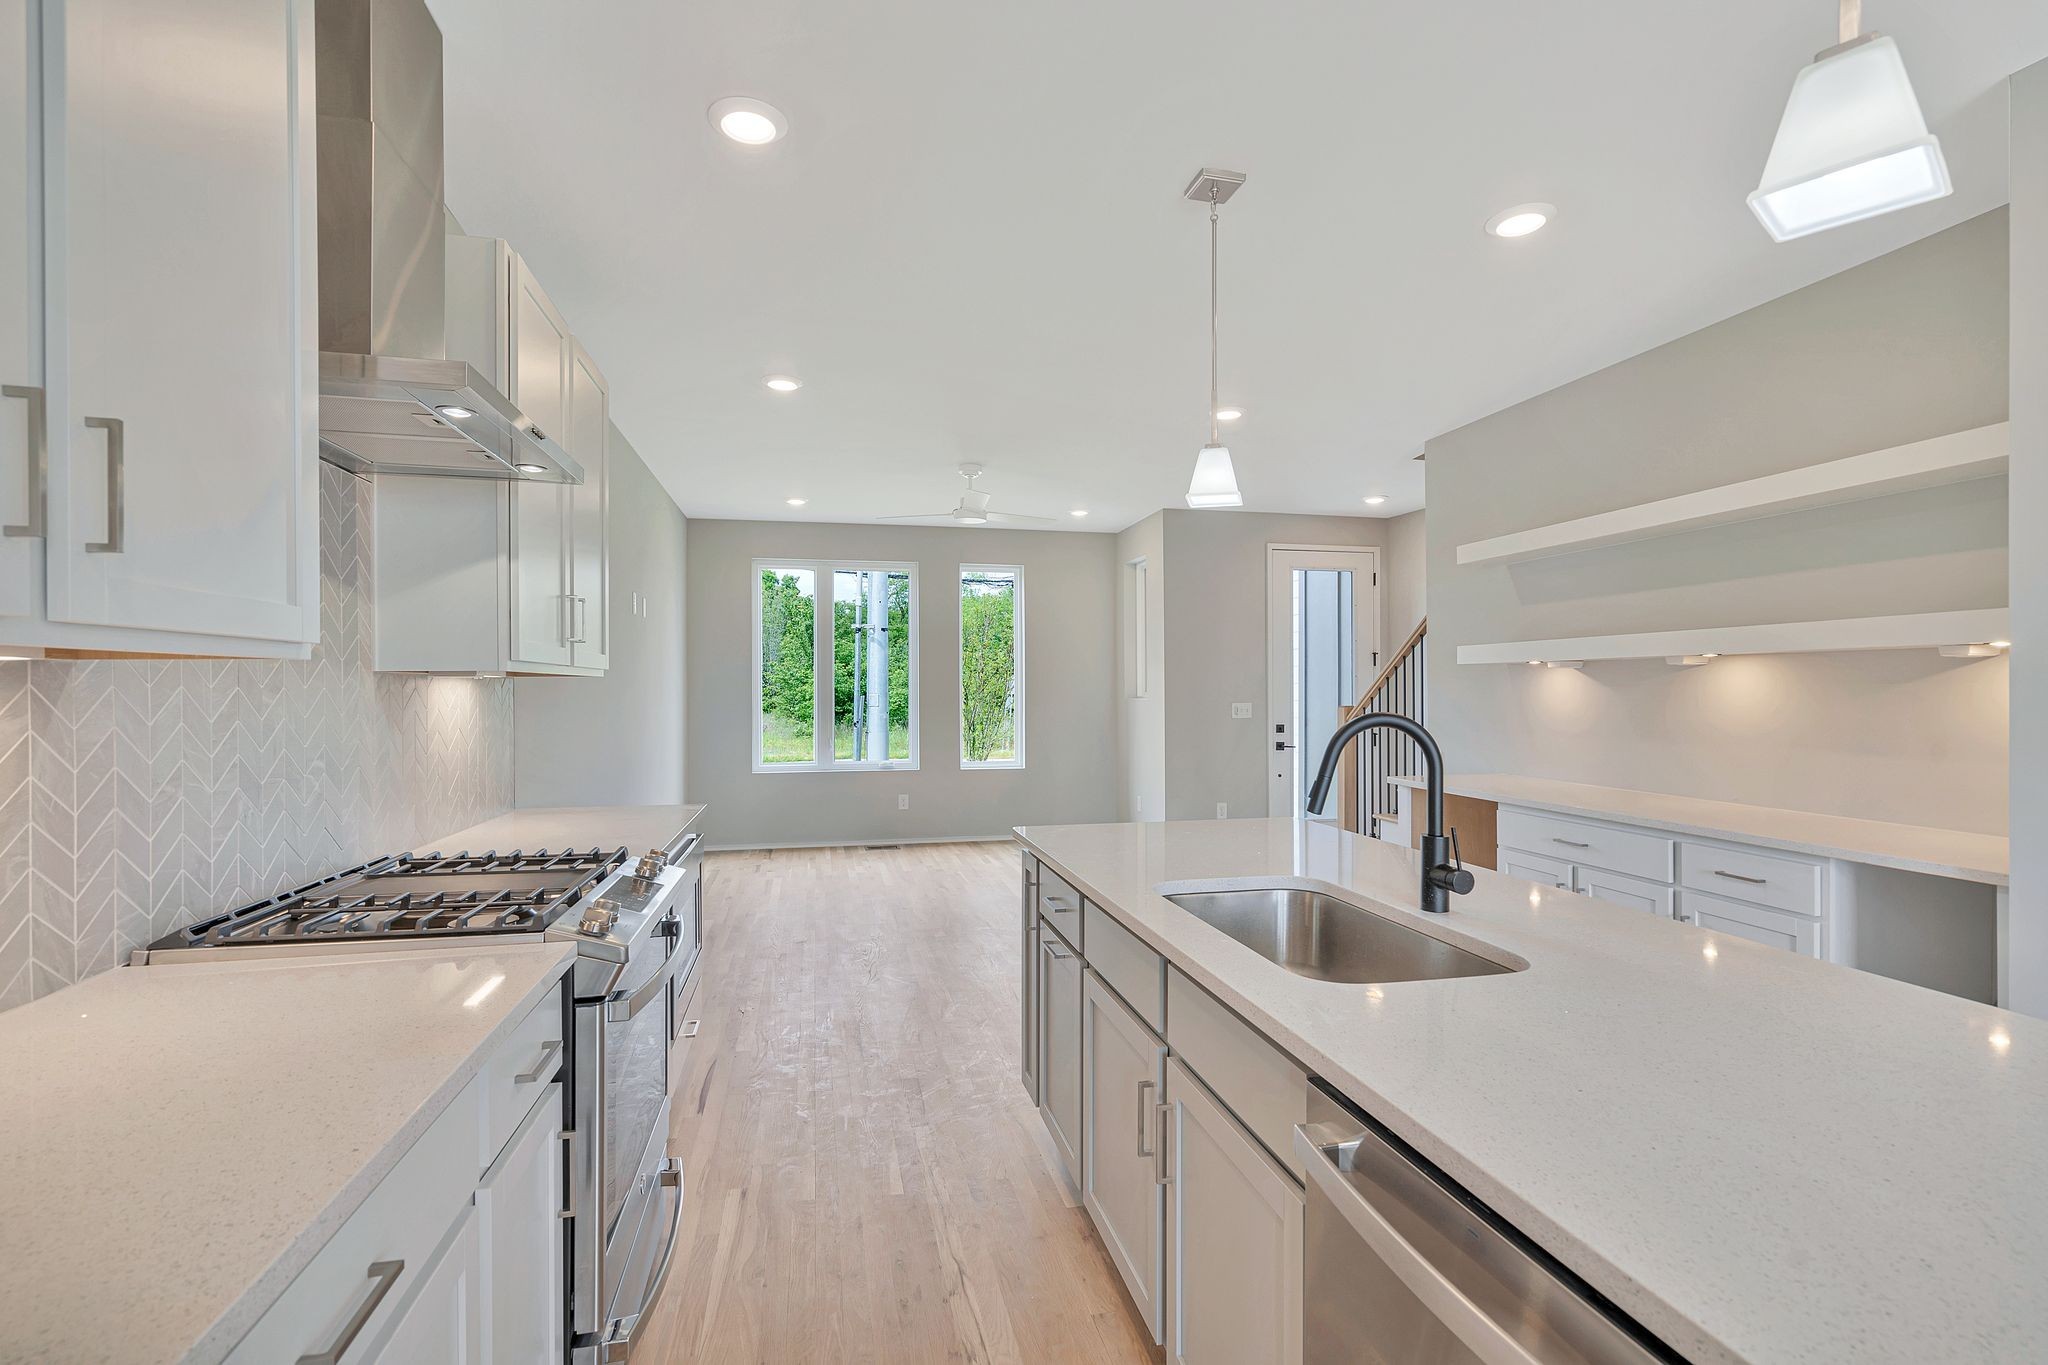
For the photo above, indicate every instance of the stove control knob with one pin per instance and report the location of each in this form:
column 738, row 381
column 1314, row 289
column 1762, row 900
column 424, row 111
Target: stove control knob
column 650, row 866
column 599, row 918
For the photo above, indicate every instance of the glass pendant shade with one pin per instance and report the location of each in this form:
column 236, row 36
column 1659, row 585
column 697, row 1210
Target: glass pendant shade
column 1215, row 482
column 1852, row 145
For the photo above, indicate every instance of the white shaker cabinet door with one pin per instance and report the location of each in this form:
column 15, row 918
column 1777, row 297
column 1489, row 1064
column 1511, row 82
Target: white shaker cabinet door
column 1233, row 1235
column 589, row 564
column 1534, row 867
column 540, row 348
column 1059, row 1056
column 1123, row 1074
column 182, row 337
column 441, row 1324
column 23, row 412
column 519, row 1215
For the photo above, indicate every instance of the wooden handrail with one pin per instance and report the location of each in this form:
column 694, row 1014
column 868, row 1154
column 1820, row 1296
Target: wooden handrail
column 1364, row 702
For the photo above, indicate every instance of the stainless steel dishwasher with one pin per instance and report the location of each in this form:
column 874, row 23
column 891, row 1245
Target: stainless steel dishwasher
column 1402, row 1267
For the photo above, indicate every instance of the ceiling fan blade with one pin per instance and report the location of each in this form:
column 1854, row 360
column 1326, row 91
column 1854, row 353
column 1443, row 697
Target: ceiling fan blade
column 920, row 516
column 1018, row 518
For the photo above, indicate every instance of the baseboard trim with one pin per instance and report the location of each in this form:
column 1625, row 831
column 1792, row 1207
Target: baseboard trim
column 879, row 841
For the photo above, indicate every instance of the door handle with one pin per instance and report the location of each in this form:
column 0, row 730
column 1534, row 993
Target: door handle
column 117, row 496
column 548, row 1052
column 38, row 523
column 383, row 1274
column 1160, row 1174
column 579, row 617
column 1145, row 1087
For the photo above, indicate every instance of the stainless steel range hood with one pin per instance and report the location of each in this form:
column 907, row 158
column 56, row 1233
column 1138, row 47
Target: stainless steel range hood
column 390, row 400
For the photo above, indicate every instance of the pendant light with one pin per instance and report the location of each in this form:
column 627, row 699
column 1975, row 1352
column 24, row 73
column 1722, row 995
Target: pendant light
column 1852, row 144
column 1215, row 482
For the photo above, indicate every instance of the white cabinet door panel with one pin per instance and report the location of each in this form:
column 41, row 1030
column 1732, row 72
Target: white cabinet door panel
column 520, row 1229
column 1534, row 867
column 441, row 1325
column 540, row 350
column 1233, row 1228
column 589, row 565
column 1632, row 892
column 23, row 413
column 1123, row 1074
column 1059, row 1054
column 1774, row 928
column 179, row 167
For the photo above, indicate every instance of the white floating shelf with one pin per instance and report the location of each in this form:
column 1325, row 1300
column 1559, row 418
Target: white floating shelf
column 1956, row 458
column 1926, row 630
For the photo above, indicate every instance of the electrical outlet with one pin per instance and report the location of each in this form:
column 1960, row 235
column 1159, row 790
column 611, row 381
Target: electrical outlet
column 1222, row 810
column 1140, row 811
column 903, row 801
column 1240, row 710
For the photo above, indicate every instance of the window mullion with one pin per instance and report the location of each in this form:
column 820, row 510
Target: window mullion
column 822, row 680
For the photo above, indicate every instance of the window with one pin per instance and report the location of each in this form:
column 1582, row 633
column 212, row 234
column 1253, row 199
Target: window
column 991, row 666
column 1137, row 633
column 859, row 638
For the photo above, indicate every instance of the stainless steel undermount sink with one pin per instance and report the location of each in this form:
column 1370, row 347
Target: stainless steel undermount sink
column 1326, row 939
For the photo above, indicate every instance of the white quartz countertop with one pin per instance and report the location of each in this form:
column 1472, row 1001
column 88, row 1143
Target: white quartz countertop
column 1956, row 853
column 1761, row 1157
column 639, row 828
column 177, row 1141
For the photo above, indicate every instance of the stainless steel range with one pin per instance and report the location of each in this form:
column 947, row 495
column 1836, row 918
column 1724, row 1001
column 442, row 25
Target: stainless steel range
column 637, row 926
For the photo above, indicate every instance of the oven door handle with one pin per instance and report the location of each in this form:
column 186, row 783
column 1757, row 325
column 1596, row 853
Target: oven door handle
column 625, row 1330
column 619, row 1009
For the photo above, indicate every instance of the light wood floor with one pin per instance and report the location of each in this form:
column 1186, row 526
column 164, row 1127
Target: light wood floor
column 866, row 1179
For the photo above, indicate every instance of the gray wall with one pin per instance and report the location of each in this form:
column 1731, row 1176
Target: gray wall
column 1070, row 689
column 2027, row 928
column 1215, row 649
column 1908, row 346
column 1141, row 735
column 617, row 740
column 1406, row 575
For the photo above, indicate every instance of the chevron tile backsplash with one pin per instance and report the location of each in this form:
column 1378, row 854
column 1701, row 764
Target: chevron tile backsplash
column 137, row 795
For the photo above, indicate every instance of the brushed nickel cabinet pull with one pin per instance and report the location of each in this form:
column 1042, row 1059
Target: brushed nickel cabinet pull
column 38, row 523
column 1568, row 843
column 117, row 493
column 383, row 1274
column 1738, row 877
column 549, row 1051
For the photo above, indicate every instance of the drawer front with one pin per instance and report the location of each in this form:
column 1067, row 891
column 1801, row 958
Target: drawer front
column 1059, row 904
column 1534, row 867
column 1132, row 970
column 1256, row 1081
column 1745, row 875
column 1774, row 928
column 1650, row 897
column 518, row 1073
column 1604, row 846
column 683, row 1022
column 353, row 1289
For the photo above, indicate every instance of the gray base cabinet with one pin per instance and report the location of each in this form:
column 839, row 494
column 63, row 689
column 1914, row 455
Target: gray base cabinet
column 1059, row 1054
column 1028, row 1050
column 1123, row 1077
column 1233, row 1238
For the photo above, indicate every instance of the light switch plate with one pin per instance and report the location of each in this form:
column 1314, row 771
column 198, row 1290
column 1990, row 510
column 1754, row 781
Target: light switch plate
column 1222, row 810
column 903, row 801
column 1240, row 710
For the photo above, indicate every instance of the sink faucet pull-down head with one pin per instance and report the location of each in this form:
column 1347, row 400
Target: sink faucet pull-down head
column 1443, row 871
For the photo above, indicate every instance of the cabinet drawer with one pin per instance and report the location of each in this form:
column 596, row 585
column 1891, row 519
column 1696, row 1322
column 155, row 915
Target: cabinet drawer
column 354, row 1287
column 1774, row 928
column 683, row 1021
column 1633, row 892
column 1617, row 850
column 1534, row 867
column 1134, row 971
column 516, row 1075
column 1059, row 904
column 1745, row 875
column 1256, row 1081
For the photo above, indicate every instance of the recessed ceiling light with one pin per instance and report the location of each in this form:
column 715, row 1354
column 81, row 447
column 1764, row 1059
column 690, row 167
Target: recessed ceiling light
column 783, row 383
column 1229, row 414
column 455, row 411
column 531, row 468
column 796, row 502
column 1078, row 512
column 1375, row 499
column 1521, row 220
column 748, row 121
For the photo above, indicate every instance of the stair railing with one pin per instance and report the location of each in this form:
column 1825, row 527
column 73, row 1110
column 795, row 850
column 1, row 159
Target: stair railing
column 1366, row 799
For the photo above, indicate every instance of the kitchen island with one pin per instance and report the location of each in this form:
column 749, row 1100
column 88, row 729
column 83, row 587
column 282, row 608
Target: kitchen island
column 1757, row 1156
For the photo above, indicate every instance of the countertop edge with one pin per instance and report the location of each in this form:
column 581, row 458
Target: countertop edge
column 227, row 1330
column 1661, row 1318
column 1477, row 787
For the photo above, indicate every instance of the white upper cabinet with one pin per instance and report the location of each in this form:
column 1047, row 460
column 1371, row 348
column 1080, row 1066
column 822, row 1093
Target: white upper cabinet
column 590, row 408
column 161, row 310
column 487, row 577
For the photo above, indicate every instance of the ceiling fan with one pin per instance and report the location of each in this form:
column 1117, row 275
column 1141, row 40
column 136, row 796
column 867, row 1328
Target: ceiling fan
column 973, row 508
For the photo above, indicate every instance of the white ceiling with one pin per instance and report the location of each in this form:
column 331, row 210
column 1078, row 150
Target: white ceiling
column 972, row 244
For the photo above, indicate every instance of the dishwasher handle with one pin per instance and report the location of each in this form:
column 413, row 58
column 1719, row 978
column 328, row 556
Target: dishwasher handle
column 1316, row 1146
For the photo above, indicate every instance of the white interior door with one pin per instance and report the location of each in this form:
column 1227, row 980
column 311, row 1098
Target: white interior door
column 1322, row 643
